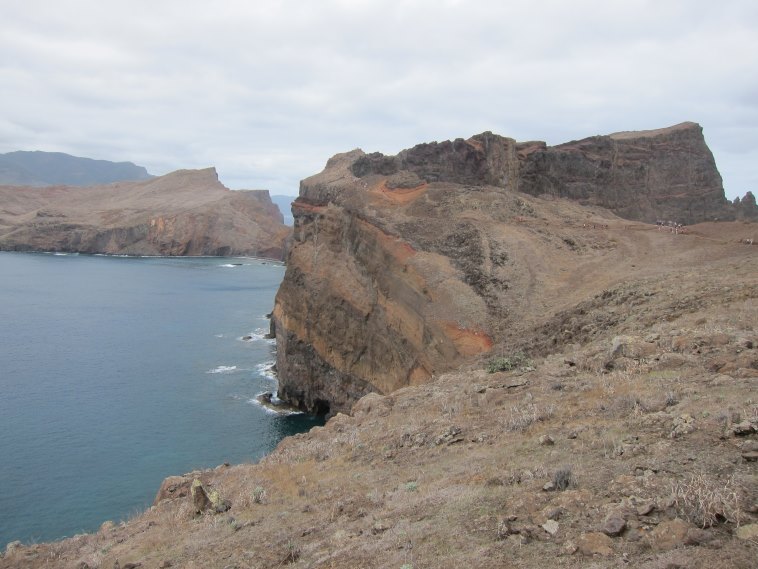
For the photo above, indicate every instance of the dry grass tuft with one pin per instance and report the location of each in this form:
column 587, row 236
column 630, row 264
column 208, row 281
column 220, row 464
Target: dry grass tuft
column 705, row 501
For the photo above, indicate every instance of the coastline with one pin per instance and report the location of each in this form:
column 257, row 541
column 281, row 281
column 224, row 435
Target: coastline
column 223, row 388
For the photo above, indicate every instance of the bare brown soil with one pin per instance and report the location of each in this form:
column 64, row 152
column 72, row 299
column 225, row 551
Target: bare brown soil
column 630, row 439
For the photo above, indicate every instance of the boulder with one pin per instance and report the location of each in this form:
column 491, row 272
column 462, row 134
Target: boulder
column 669, row 534
column 595, row 543
column 613, row 526
column 632, row 347
column 200, row 500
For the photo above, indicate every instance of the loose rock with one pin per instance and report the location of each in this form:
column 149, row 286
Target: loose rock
column 669, row 534
column 595, row 543
column 613, row 526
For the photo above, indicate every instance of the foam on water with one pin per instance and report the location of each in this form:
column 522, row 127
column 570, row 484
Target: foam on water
column 222, row 369
column 258, row 335
column 266, row 370
column 271, row 409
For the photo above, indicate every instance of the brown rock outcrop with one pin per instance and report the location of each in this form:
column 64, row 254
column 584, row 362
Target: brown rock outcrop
column 667, row 173
column 188, row 212
column 404, row 266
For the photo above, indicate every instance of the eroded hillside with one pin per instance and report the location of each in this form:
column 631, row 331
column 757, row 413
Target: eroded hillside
column 628, row 438
column 188, row 212
column 402, row 267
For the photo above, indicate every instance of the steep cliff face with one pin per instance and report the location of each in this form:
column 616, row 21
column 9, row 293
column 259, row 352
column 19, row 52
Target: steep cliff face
column 188, row 212
column 666, row 174
column 405, row 266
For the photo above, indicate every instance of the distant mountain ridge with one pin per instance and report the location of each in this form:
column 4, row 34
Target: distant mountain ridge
column 38, row 168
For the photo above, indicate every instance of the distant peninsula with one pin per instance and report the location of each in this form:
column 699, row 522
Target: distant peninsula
column 37, row 168
column 188, row 212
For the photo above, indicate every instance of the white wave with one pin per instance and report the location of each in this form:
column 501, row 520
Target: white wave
column 229, row 265
column 272, row 409
column 222, row 369
column 218, row 335
column 266, row 370
column 258, row 335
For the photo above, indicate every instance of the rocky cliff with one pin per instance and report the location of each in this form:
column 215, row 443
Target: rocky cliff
column 404, row 266
column 667, row 173
column 188, row 212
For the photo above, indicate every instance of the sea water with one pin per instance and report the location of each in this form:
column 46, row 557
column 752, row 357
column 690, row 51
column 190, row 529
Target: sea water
column 118, row 372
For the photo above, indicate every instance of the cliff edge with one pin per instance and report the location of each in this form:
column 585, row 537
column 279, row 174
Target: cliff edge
column 402, row 267
column 188, row 212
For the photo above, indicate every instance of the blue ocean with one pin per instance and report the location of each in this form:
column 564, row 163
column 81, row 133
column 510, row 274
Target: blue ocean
column 117, row 372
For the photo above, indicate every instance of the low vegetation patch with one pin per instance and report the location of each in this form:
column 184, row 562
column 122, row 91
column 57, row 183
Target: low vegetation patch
column 509, row 363
column 705, row 501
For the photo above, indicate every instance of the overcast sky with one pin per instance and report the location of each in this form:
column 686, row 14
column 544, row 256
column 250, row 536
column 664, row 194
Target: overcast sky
column 267, row 91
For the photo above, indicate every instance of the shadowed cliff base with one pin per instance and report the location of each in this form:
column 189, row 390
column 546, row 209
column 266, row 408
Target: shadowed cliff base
column 188, row 212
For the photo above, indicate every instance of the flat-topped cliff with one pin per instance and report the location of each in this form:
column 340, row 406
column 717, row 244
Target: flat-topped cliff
column 405, row 266
column 667, row 173
column 188, row 212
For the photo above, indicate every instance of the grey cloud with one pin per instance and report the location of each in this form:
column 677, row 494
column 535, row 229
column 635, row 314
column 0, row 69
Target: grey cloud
column 267, row 91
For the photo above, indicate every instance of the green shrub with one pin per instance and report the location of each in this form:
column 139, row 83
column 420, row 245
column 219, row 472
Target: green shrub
column 509, row 363
column 259, row 494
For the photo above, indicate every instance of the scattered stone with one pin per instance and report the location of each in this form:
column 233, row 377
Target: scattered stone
column 449, row 436
column 646, row 509
column 551, row 527
column 83, row 565
column 569, row 548
column 107, row 526
column 613, row 526
column 247, row 338
column 632, row 347
column 547, row 440
column 165, row 564
column 572, row 435
column 698, row 536
column 683, row 425
column 750, row 455
column 200, row 499
column 555, row 514
column 172, row 487
column 749, row 531
column 595, row 543
column 549, row 487
column 669, row 534
column 743, row 429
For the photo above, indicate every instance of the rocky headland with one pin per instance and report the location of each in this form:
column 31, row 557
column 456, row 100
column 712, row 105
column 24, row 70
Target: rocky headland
column 514, row 380
column 188, row 212
column 404, row 266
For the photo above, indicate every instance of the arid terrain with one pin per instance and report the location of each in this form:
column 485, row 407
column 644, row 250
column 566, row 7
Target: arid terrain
column 188, row 212
column 624, row 437
column 512, row 380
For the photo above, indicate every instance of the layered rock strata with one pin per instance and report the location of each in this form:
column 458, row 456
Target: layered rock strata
column 405, row 266
column 188, row 212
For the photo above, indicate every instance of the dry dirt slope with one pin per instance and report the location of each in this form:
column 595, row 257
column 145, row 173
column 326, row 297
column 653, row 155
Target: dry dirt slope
column 627, row 439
